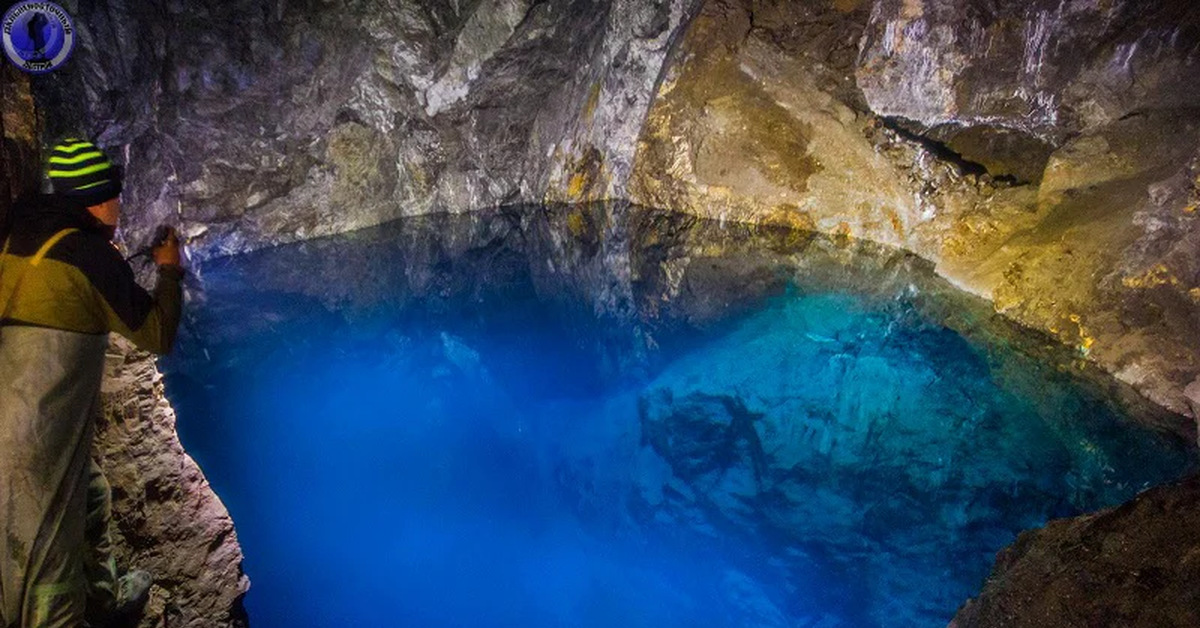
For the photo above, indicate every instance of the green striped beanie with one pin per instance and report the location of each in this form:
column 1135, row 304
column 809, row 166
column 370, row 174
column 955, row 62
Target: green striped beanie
column 80, row 170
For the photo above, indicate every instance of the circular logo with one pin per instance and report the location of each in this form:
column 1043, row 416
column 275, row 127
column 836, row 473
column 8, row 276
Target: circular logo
column 38, row 36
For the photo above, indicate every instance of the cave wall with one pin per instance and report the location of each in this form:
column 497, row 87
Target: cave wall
column 1042, row 153
column 19, row 144
column 253, row 122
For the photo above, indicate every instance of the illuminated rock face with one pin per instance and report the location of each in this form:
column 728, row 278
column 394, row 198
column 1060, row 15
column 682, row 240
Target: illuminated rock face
column 1041, row 153
column 254, row 123
column 166, row 518
column 1043, row 67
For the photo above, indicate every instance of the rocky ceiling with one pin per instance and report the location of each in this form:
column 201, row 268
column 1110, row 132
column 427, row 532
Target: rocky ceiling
column 1041, row 153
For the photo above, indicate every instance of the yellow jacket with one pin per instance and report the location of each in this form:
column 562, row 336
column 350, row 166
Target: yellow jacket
column 60, row 271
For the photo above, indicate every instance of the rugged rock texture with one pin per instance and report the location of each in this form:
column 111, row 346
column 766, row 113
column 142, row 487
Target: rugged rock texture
column 1136, row 565
column 331, row 118
column 1042, row 68
column 166, row 519
column 1041, row 153
column 18, row 139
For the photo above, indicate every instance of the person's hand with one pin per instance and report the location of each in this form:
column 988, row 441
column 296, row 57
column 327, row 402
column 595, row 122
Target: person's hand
column 166, row 252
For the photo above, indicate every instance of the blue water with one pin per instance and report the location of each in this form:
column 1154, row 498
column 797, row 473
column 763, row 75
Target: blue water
column 423, row 426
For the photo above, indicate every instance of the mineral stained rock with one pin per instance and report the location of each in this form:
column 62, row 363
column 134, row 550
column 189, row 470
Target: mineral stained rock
column 1042, row 153
column 1136, row 565
column 166, row 518
column 254, row 123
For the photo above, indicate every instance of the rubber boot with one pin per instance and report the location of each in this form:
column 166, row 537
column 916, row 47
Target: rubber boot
column 133, row 591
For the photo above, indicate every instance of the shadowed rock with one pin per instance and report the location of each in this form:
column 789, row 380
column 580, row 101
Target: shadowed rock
column 1133, row 566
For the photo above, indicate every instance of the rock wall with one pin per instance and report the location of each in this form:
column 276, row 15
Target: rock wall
column 18, row 139
column 1042, row 153
column 255, row 122
column 1045, row 69
column 166, row 518
column 1135, row 565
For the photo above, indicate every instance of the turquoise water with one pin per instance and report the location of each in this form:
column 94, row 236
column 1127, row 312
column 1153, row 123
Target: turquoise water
column 510, row 420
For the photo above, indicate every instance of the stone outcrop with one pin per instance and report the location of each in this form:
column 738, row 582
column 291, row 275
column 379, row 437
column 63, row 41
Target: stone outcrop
column 166, row 518
column 1135, row 565
column 253, row 123
column 1041, row 153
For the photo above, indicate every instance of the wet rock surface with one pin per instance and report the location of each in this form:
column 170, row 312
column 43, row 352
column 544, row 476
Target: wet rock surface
column 1027, row 149
column 1032, row 170
column 166, row 518
column 253, row 123
column 1135, row 565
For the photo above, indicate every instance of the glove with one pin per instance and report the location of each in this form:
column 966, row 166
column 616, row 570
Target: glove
column 165, row 248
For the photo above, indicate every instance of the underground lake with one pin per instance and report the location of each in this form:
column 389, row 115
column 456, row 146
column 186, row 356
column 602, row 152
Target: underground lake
column 606, row 415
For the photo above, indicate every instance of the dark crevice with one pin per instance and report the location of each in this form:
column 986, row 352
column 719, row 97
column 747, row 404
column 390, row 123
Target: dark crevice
column 944, row 153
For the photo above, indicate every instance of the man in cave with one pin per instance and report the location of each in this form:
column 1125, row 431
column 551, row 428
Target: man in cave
column 63, row 288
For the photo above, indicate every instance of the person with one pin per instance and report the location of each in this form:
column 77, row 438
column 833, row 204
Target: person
column 63, row 287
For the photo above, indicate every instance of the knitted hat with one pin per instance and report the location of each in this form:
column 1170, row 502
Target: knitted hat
column 79, row 170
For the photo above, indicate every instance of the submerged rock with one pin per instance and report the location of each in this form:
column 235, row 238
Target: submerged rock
column 881, row 433
column 1135, row 565
column 836, row 429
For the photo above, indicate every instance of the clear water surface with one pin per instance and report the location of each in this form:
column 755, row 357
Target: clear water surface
column 615, row 417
